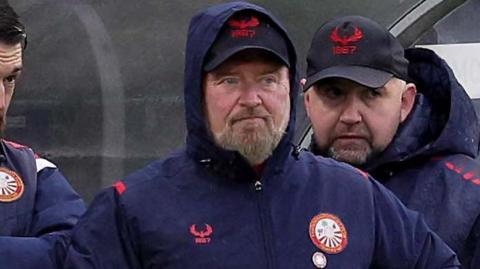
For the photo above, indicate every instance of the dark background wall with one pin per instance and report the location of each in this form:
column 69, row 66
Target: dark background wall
column 101, row 94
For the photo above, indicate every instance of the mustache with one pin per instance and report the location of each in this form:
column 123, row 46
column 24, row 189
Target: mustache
column 249, row 113
column 360, row 131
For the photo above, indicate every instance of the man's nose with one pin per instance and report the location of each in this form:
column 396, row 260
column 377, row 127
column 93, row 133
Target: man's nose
column 250, row 96
column 352, row 111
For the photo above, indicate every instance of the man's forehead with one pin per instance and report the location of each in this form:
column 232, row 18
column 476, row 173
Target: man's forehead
column 10, row 54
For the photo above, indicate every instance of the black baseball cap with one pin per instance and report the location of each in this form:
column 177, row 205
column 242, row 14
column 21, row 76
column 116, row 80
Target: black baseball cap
column 355, row 48
column 246, row 30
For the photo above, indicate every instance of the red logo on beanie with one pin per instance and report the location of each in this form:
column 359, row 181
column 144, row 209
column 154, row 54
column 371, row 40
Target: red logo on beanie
column 346, row 43
column 240, row 28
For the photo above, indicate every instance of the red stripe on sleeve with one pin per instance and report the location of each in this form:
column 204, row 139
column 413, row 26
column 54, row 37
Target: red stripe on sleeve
column 120, row 187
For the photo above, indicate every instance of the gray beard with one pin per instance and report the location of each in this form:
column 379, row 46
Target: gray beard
column 349, row 156
column 357, row 159
column 255, row 146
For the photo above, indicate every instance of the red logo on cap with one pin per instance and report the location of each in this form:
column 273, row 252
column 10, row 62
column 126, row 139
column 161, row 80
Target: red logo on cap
column 242, row 27
column 345, row 42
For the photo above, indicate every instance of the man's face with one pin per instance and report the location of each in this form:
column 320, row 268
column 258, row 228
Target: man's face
column 247, row 105
column 10, row 69
column 353, row 123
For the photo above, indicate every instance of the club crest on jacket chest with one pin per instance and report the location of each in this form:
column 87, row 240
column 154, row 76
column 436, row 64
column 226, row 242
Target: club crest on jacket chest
column 11, row 185
column 328, row 233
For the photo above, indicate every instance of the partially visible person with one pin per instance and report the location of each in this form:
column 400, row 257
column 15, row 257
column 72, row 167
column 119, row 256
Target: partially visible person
column 403, row 118
column 238, row 196
column 38, row 207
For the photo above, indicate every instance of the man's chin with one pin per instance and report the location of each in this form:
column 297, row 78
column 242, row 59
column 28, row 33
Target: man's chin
column 355, row 157
column 246, row 127
column 255, row 145
column 252, row 141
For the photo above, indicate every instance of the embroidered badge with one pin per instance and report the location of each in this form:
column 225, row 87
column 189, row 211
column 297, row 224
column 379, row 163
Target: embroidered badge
column 243, row 28
column 11, row 185
column 328, row 233
column 345, row 44
column 319, row 260
column 203, row 236
column 356, row 36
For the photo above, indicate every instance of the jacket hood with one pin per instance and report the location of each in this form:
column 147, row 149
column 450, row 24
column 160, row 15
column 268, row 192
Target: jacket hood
column 203, row 30
column 443, row 120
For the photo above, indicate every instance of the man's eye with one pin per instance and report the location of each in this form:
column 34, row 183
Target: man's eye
column 373, row 93
column 10, row 79
column 269, row 80
column 332, row 92
column 229, row 81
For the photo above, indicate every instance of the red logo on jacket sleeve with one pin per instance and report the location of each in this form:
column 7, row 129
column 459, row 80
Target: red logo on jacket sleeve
column 467, row 174
column 346, row 45
column 203, row 236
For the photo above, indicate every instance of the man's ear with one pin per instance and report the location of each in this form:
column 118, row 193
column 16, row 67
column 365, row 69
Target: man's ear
column 408, row 100
column 306, row 96
column 307, row 101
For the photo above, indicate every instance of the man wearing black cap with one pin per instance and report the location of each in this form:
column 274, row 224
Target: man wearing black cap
column 38, row 207
column 419, row 139
column 239, row 196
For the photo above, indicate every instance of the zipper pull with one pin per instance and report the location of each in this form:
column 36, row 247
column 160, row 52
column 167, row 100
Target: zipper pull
column 258, row 185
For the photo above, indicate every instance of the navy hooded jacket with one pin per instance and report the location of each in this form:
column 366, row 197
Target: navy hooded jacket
column 205, row 207
column 430, row 163
column 38, row 208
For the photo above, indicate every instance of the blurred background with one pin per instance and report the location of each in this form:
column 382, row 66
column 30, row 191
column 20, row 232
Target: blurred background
column 101, row 94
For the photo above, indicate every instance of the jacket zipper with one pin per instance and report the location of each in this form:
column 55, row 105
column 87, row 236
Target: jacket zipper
column 258, row 186
column 265, row 225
